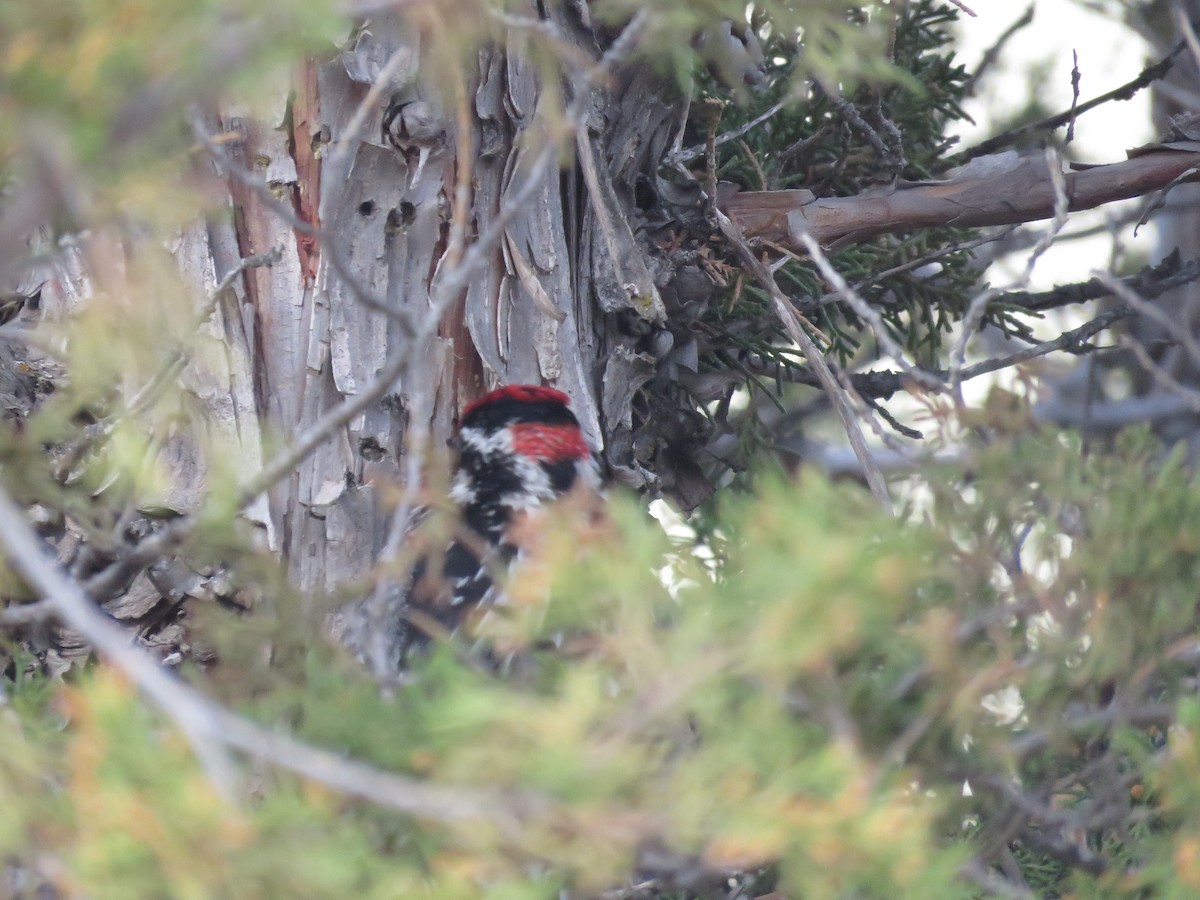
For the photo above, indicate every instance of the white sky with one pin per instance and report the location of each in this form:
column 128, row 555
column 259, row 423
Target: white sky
column 1110, row 54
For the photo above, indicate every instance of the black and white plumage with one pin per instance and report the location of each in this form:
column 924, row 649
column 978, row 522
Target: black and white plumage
column 518, row 448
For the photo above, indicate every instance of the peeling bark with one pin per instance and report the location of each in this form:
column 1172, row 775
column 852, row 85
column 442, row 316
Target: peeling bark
column 552, row 305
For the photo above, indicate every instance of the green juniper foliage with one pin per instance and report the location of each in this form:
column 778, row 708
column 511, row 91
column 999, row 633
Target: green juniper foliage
column 813, row 697
column 814, row 144
column 810, row 145
column 818, row 702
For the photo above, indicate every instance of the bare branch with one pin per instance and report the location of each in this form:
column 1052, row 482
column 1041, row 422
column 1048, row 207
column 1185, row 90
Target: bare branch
column 882, row 384
column 1152, row 281
column 1073, row 341
column 1002, row 190
column 211, row 729
column 979, row 304
column 26, row 613
column 1145, row 78
column 734, row 134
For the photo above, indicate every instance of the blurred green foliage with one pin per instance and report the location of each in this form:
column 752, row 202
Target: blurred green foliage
column 110, row 76
column 802, row 704
column 809, row 710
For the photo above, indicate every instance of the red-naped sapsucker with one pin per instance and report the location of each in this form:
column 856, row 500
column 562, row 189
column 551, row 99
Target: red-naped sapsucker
column 519, row 448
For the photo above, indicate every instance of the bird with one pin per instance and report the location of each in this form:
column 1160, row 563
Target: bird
column 519, row 451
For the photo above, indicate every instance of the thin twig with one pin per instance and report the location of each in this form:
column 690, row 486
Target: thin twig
column 149, row 549
column 379, row 644
column 984, row 878
column 337, row 162
column 212, row 729
column 1164, row 378
column 690, row 153
column 758, row 170
column 979, row 304
column 892, row 157
column 864, row 310
column 1073, row 341
column 149, row 392
column 791, row 324
column 1074, row 111
column 144, row 398
column 341, row 148
column 809, row 306
column 464, row 161
column 26, row 613
column 787, row 154
column 886, row 383
column 1096, row 721
column 1145, row 78
column 1130, row 298
column 446, row 291
column 1188, row 31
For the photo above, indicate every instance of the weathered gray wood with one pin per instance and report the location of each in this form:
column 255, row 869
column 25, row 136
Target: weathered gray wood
column 371, row 213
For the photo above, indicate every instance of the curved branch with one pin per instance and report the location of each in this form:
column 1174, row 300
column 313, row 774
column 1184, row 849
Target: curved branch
column 212, row 729
column 996, row 190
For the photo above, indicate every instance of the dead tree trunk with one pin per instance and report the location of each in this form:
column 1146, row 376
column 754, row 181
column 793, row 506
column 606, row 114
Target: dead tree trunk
column 378, row 165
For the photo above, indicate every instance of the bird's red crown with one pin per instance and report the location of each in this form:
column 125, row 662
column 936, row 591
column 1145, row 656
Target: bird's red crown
column 523, row 393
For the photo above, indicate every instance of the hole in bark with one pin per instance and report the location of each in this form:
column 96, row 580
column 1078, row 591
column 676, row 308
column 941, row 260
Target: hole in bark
column 366, row 208
column 370, row 449
column 644, row 193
